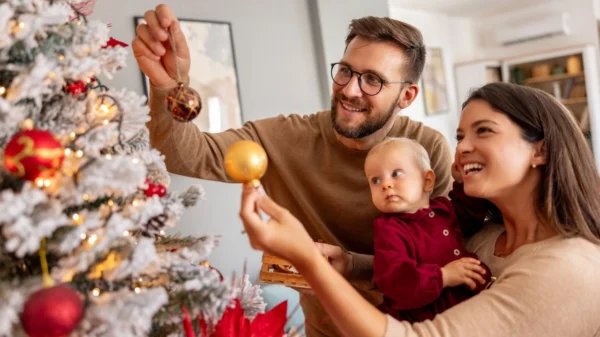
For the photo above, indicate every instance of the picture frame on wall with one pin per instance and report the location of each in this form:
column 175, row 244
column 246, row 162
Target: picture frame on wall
column 434, row 84
column 213, row 73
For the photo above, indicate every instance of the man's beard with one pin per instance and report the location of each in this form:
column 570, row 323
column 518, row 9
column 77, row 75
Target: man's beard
column 369, row 126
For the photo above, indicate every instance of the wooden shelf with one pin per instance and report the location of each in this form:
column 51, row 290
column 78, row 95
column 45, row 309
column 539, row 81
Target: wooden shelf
column 551, row 78
column 576, row 100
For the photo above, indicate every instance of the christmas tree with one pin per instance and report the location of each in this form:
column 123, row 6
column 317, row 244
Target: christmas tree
column 84, row 199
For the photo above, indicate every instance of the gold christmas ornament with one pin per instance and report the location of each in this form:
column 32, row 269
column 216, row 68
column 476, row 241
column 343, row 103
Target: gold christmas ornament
column 246, row 162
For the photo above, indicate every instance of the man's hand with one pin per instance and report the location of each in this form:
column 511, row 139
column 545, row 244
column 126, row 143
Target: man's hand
column 466, row 271
column 152, row 48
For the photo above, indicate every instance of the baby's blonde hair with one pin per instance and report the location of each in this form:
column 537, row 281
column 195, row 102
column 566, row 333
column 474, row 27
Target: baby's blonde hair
column 421, row 155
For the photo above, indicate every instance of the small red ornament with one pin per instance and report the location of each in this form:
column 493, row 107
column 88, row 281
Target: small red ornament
column 52, row 312
column 32, row 154
column 155, row 189
column 77, row 88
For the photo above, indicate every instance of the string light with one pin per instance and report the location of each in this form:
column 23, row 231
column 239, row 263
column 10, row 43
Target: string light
column 162, row 232
column 105, row 122
column 135, row 160
column 126, row 233
column 135, row 203
column 83, row 236
column 77, row 219
column 93, row 239
column 109, row 156
column 39, row 182
column 137, row 290
column 68, row 152
column 47, row 183
column 86, row 197
column 73, row 135
column 2, row 90
column 79, row 153
column 96, row 292
column 61, row 57
column 104, row 108
column 51, row 74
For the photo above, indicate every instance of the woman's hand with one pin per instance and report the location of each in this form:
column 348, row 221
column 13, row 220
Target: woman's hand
column 282, row 235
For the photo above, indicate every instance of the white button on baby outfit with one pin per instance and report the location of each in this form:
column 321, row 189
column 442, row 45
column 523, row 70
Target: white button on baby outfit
column 446, row 232
column 431, row 215
column 456, row 252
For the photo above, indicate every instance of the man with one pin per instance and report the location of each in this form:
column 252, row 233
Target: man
column 315, row 161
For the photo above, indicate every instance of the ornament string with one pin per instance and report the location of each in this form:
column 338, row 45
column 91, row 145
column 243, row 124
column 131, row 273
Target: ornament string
column 174, row 49
column 46, row 279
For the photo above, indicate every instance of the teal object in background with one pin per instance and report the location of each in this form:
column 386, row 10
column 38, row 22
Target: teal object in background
column 275, row 294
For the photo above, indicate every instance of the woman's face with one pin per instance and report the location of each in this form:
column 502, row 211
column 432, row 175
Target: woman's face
column 494, row 158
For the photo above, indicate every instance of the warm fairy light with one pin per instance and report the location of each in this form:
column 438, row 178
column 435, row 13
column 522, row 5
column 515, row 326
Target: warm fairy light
column 96, row 292
column 105, row 122
column 61, row 57
column 162, row 233
column 104, row 108
column 86, row 197
column 135, row 203
column 93, row 239
column 83, row 236
column 77, row 219
column 68, row 152
column 89, row 80
column 79, row 153
column 135, row 160
column 39, row 182
column 21, row 24
column 27, row 124
column 78, row 22
column 73, row 135
column 109, row 156
column 137, row 290
column 51, row 74
column 18, row 26
column 2, row 90
column 47, row 183
column 110, row 202
column 126, row 233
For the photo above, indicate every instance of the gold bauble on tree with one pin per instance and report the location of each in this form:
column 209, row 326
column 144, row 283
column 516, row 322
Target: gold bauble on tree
column 246, row 162
column 184, row 103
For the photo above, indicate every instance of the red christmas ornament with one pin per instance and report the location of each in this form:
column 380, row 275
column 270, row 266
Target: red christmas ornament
column 77, row 88
column 32, row 154
column 52, row 312
column 155, row 189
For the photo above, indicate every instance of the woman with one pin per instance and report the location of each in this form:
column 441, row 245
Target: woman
column 534, row 165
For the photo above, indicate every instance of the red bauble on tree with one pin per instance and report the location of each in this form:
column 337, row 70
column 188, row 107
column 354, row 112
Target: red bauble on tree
column 32, row 154
column 52, row 312
column 155, row 189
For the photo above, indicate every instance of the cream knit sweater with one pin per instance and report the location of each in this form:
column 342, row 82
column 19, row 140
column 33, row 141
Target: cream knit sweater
column 549, row 288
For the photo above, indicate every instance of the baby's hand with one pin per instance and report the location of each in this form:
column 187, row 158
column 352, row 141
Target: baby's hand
column 466, row 271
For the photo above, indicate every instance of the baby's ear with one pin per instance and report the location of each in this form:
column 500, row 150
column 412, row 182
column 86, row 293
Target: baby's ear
column 428, row 181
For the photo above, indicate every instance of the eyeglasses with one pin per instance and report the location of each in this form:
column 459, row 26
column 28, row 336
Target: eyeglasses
column 368, row 82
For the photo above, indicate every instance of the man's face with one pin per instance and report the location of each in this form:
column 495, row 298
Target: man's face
column 354, row 113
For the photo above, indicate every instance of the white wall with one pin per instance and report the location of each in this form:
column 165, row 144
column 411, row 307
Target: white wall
column 582, row 23
column 275, row 57
column 439, row 30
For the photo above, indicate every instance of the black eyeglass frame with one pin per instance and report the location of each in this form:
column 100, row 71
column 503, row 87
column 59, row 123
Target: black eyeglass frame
column 352, row 72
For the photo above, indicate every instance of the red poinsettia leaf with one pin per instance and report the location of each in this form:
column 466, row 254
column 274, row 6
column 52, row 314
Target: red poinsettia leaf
column 113, row 43
column 233, row 323
column 271, row 323
column 187, row 323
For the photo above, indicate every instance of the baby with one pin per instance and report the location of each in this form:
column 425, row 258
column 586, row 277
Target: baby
column 420, row 264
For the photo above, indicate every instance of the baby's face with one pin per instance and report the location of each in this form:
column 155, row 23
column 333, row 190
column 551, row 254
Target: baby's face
column 396, row 180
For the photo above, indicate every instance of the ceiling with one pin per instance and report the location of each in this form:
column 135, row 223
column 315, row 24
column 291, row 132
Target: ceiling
column 468, row 8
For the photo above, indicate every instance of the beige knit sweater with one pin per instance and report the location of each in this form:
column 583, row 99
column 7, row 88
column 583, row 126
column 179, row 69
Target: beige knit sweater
column 545, row 289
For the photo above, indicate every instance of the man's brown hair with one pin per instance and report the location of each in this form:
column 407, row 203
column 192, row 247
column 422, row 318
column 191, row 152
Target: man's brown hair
column 408, row 38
